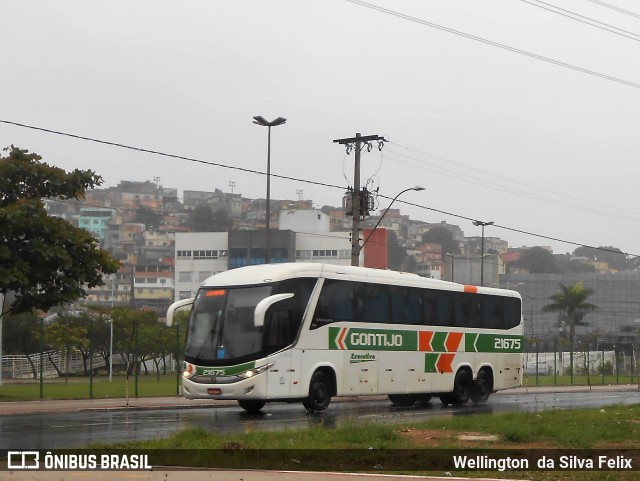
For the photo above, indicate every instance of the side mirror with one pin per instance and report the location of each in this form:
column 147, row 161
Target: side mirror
column 266, row 303
column 174, row 307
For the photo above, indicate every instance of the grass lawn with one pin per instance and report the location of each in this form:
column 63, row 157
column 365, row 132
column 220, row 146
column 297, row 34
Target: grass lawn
column 384, row 448
column 79, row 387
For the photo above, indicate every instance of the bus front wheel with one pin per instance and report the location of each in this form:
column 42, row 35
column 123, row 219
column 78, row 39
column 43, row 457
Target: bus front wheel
column 252, row 406
column 319, row 393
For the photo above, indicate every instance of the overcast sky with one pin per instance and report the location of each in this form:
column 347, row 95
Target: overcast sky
column 504, row 110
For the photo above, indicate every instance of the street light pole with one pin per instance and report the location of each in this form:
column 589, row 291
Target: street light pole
column 482, row 224
column 259, row 120
column 453, row 256
column 1, row 309
column 110, row 349
column 416, row 188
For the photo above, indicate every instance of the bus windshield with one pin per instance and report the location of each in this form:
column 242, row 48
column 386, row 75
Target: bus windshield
column 222, row 329
column 221, row 326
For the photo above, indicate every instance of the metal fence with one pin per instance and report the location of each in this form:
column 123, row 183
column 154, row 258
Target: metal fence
column 581, row 366
column 29, row 367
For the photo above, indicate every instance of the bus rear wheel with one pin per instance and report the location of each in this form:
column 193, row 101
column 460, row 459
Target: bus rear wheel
column 482, row 387
column 402, row 400
column 252, row 406
column 319, row 393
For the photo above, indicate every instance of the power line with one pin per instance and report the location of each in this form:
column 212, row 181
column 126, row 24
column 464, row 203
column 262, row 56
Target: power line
column 215, row 164
column 613, row 7
column 577, row 17
column 513, row 229
column 164, row 154
column 494, row 44
column 485, row 183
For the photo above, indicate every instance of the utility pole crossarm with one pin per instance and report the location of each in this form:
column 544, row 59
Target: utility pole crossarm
column 366, row 138
column 356, row 143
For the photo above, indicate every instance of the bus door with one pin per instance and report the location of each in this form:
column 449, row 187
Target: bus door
column 280, row 330
column 279, row 375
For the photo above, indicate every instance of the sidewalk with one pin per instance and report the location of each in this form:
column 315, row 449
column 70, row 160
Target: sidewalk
column 178, row 402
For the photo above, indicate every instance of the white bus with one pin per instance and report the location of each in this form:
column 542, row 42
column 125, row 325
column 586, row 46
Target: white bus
column 302, row 332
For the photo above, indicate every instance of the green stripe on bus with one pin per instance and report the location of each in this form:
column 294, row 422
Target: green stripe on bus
column 224, row 370
column 437, row 343
column 430, row 360
column 493, row 343
column 372, row 339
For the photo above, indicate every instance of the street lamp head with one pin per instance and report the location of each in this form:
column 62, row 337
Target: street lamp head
column 417, row 188
column 482, row 224
column 260, row 120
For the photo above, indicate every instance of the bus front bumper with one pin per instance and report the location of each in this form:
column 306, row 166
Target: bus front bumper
column 251, row 388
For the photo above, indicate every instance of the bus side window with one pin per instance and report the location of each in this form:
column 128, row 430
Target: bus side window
column 431, row 309
column 471, row 310
column 398, row 312
column 375, row 306
column 336, row 303
column 512, row 312
column 457, row 314
column 280, row 330
column 405, row 305
column 343, row 300
column 492, row 312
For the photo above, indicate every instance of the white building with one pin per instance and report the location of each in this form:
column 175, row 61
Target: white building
column 199, row 255
column 325, row 247
column 304, row 221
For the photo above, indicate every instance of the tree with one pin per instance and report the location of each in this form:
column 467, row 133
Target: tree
column 443, row 236
column 21, row 335
column 132, row 338
column 538, row 261
column 44, row 260
column 614, row 257
column 396, row 254
column 201, row 218
column 572, row 303
column 67, row 334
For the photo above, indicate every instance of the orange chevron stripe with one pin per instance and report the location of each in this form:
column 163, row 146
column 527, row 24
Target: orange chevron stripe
column 453, row 341
column 443, row 364
column 424, row 341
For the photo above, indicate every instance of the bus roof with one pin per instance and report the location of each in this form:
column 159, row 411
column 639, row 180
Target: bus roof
column 267, row 273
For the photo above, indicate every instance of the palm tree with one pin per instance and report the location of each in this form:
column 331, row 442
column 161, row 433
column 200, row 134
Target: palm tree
column 572, row 302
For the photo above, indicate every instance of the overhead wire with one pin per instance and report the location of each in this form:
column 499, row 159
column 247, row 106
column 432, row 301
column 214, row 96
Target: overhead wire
column 577, row 17
column 613, row 7
column 216, row 164
column 492, row 43
column 174, row 156
column 464, row 176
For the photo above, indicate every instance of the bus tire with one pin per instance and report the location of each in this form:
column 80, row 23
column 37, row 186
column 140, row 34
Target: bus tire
column 462, row 385
column 482, row 387
column 402, row 400
column 252, row 406
column 319, row 393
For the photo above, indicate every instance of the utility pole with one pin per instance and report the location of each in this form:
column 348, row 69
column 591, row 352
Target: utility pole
column 357, row 143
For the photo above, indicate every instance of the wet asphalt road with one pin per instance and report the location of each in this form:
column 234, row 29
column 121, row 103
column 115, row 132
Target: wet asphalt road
column 78, row 424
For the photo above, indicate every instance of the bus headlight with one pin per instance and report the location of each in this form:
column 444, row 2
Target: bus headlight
column 255, row 371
